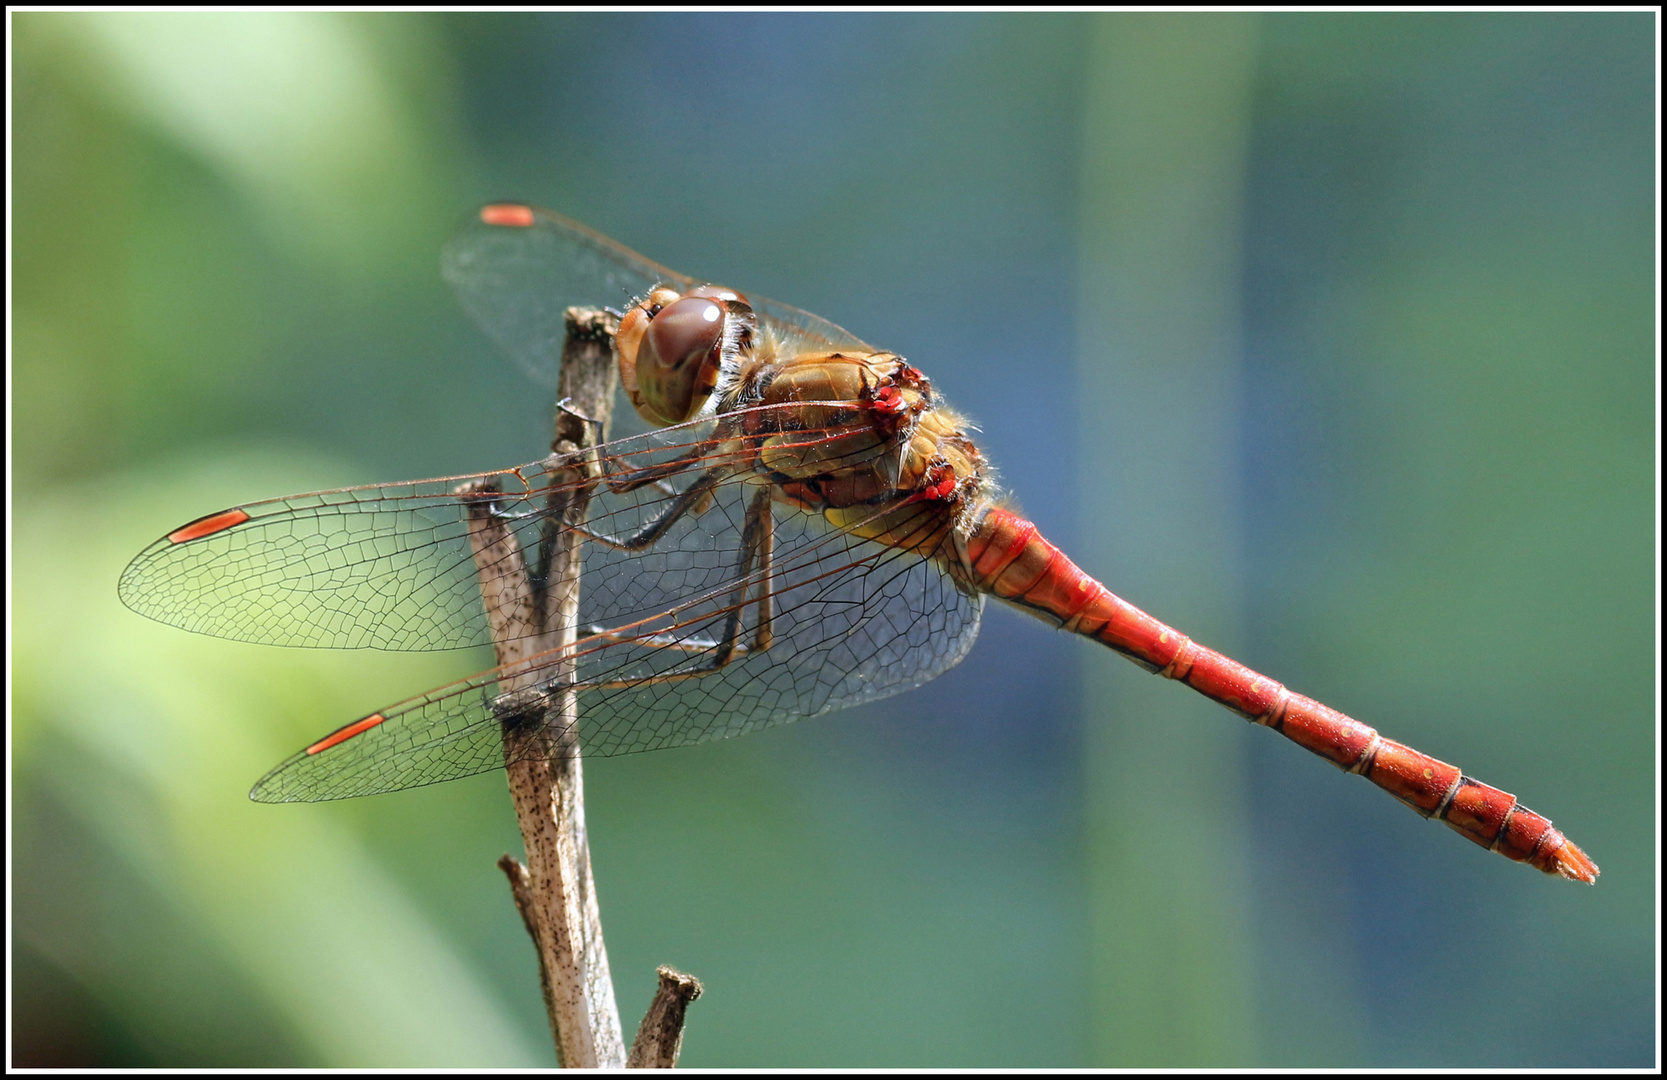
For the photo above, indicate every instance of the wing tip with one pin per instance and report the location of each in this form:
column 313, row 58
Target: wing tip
column 508, row 215
column 342, row 734
column 209, row 525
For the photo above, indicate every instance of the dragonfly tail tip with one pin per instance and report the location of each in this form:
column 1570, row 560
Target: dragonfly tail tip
column 1575, row 864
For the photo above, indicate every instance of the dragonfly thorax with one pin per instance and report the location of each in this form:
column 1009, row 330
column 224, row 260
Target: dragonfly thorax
column 860, row 439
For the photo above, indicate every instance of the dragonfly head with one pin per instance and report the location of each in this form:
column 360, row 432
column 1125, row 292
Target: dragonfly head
column 673, row 347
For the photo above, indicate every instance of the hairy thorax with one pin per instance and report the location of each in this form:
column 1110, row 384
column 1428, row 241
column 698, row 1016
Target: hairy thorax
column 870, row 450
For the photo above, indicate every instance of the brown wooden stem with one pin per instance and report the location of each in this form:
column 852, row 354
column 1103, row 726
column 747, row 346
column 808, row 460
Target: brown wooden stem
column 533, row 610
column 555, row 891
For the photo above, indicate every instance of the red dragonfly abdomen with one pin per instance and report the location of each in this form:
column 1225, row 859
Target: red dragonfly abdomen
column 1011, row 560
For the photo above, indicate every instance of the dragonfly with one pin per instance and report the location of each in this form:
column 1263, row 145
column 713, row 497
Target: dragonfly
column 805, row 526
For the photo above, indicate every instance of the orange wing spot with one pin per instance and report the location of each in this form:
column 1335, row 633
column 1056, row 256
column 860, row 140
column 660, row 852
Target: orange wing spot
column 346, row 733
column 512, row 215
column 208, row 526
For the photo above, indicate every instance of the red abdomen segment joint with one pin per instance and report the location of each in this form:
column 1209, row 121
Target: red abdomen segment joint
column 1006, row 557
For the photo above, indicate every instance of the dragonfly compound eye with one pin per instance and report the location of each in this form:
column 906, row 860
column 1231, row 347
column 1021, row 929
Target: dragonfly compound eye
column 677, row 360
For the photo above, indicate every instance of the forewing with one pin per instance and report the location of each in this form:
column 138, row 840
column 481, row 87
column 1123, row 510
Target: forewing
column 800, row 331
column 854, row 620
column 517, row 269
column 391, row 566
column 386, row 567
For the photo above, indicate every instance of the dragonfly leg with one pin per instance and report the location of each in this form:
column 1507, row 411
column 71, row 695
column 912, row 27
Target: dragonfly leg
column 691, row 498
column 754, row 571
column 653, row 641
column 566, row 405
column 762, row 518
column 757, row 546
column 626, row 482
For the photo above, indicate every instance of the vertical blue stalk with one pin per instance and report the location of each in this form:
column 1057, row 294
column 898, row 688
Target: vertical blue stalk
column 1166, row 126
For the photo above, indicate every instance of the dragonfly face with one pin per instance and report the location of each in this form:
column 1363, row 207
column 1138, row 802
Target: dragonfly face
column 674, row 348
column 808, row 529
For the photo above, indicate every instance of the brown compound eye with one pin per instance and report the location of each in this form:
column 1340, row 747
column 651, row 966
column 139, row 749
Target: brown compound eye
column 677, row 361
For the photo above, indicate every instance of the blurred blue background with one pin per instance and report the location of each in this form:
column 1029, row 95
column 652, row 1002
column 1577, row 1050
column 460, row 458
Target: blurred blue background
column 1327, row 338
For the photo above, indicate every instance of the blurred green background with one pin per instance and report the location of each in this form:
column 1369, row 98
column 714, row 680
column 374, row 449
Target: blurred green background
column 1327, row 338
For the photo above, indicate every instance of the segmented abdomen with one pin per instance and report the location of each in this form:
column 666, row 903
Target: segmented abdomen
column 1005, row 556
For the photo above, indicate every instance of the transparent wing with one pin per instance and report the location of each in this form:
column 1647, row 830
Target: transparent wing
column 516, row 269
column 851, row 620
column 810, row 332
column 391, row 566
column 384, row 567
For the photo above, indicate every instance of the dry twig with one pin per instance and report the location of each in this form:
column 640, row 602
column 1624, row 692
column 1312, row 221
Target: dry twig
column 531, row 612
column 660, row 1038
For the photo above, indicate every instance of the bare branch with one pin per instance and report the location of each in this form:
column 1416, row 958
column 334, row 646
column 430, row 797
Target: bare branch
column 555, row 891
column 519, row 887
